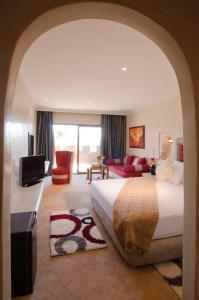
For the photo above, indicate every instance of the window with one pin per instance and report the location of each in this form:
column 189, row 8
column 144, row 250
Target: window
column 83, row 141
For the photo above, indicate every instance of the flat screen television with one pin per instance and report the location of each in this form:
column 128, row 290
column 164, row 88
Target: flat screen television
column 31, row 169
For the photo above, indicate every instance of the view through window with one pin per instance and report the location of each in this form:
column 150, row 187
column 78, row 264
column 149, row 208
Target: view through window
column 66, row 139
column 83, row 141
column 89, row 146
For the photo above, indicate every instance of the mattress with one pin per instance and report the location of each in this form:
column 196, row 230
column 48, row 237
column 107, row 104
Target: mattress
column 170, row 203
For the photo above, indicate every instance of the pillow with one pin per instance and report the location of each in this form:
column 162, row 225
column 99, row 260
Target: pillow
column 117, row 161
column 109, row 161
column 165, row 170
column 178, row 174
column 128, row 159
column 112, row 161
column 137, row 168
column 139, row 161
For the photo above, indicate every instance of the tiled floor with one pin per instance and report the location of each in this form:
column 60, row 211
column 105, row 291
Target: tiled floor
column 92, row 275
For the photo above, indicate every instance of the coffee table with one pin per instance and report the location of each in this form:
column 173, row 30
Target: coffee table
column 97, row 167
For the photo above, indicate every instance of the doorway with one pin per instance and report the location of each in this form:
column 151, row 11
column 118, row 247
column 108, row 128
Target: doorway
column 82, row 140
column 167, row 35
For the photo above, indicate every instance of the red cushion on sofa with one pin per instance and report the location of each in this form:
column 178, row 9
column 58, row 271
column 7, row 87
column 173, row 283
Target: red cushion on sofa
column 128, row 159
column 145, row 168
column 139, row 161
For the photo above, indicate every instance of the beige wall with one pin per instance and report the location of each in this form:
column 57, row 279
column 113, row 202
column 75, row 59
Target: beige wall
column 23, row 121
column 166, row 117
column 72, row 118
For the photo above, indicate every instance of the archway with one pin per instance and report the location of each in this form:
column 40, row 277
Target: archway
column 161, row 37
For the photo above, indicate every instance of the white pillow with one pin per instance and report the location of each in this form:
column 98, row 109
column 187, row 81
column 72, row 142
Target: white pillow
column 178, row 174
column 165, row 170
column 135, row 161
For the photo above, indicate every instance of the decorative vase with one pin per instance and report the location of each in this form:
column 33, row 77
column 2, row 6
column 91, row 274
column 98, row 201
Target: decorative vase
column 152, row 170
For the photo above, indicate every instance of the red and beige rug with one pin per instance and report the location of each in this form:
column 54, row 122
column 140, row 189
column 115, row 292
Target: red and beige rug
column 72, row 231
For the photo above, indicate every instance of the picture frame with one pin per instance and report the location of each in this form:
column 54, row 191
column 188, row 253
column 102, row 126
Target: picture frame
column 137, row 137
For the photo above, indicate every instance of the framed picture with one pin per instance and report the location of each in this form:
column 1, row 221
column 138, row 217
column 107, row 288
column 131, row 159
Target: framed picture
column 137, row 137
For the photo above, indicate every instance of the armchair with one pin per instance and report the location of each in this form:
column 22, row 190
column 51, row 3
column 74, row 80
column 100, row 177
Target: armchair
column 62, row 173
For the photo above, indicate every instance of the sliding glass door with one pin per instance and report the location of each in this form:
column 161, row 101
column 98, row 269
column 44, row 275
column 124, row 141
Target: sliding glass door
column 84, row 141
column 89, row 146
column 65, row 137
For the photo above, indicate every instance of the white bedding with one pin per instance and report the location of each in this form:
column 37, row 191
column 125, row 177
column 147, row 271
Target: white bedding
column 170, row 202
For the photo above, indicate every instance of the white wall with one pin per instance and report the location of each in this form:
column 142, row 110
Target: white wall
column 23, row 121
column 162, row 118
column 72, row 118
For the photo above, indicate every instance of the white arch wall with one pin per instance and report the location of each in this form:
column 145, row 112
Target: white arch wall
column 169, row 46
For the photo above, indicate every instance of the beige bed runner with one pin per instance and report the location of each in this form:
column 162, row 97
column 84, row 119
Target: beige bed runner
column 135, row 214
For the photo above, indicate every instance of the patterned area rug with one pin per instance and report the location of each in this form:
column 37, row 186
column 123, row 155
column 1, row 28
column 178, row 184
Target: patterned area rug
column 73, row 231
column 172, row 273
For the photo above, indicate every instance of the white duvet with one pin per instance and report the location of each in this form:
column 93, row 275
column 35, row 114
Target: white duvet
column 170, row 203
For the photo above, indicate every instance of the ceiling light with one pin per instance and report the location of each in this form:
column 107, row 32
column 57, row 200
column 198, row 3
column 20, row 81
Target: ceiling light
column 46, row 100
column 124, row 69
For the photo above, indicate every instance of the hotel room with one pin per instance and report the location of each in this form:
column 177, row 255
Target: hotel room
column 97, row 163
column 140, row 128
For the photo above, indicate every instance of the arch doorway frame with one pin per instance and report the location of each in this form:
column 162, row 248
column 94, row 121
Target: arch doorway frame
column 139, row 21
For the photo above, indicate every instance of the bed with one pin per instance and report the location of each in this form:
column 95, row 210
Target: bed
column 167, row 239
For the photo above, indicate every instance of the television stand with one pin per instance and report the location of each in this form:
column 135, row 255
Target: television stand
column 23, row 252
column 25, row 204
column 27, row 199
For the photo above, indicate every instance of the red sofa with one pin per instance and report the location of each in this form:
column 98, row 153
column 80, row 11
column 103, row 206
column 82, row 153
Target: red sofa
column 130, row 166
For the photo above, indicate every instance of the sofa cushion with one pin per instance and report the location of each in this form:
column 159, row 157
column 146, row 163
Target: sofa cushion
column 117, row 161
column 136, row 168
column 112, row 161
column 128, row 159
column 139, row 161
column 109, row 161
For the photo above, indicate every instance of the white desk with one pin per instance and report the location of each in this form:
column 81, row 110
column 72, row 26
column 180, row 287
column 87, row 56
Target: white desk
column 27, row 198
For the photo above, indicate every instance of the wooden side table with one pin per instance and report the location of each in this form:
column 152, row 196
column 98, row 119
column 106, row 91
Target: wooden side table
column 97, row 167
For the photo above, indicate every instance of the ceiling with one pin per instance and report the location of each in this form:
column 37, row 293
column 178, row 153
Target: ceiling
column 78, row 67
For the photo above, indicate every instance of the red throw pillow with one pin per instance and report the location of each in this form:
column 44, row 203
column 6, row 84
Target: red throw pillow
column 128, row 159
column 139, row 161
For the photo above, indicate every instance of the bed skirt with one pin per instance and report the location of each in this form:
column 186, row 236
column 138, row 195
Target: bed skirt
column 160, row 250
